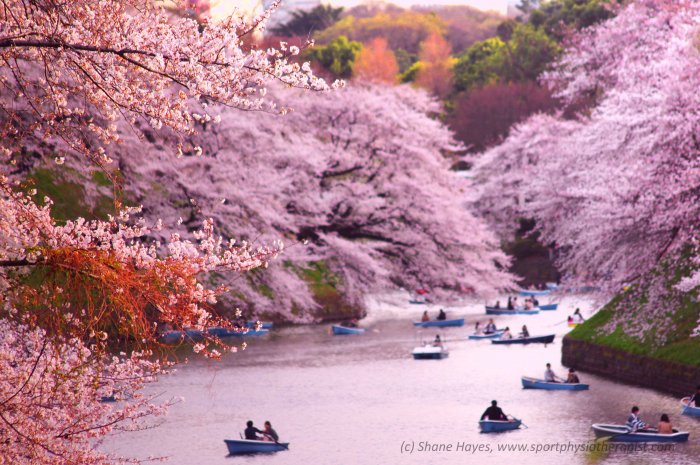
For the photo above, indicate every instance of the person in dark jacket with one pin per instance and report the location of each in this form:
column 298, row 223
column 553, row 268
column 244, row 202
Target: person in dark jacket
column 442, row 315
column 694, row 400
column 251, row 432
column 494, row 412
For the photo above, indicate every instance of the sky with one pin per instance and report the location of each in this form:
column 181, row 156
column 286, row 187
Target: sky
column 495, row 5
column 223, row 7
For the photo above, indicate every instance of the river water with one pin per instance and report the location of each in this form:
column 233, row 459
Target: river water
column 361, row 399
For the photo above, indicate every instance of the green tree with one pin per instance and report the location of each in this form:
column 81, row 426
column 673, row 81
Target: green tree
column 556, row 16
column 306, row 22
column 337, row 57
column 521, row 53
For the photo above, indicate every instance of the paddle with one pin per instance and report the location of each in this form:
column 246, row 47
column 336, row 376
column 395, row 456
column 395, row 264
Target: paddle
column 512, row 418
column 608, row 438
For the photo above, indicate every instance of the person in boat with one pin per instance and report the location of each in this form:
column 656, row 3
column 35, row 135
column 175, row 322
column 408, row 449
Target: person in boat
column 634, row 423
column 506, row 334
column 437, row 342
column 442, row 315
column 528, row 304
column 578, row 317
column 490, row 327
column 524, row 332
column 354, row 323
column 572, row 377
column 477, row 328
column 498, row 304
column 570, row 319
column 664, row 426
column 425, row 317
column 694, row 400
column 549, row 375
column 251, row 432
column 510, row 304
column 269, row 433
column 517, row 305
column 494, row 413
column 535, row 302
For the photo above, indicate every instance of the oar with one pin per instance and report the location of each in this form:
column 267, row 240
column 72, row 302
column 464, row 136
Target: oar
column 516, row 419
column 608, row 438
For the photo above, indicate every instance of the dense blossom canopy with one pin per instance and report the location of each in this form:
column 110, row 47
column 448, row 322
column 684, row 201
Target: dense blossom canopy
column 616, row 189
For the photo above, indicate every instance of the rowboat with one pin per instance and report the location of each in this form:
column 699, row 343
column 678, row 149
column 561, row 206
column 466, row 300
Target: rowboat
column 342, row 330
column 225, row 332
column 505, row 311
column 688, row 410
column 532, row 293
column 486, row 336
column 534, row 383
column 247, row 446
column 496, row 426
column 187, row 335
column 548, row 307
column 525, row 340
column 416, row 302
column 263, row 324
column 430, row 352
column 621, row 433
column 573, row 325
column 427, row 324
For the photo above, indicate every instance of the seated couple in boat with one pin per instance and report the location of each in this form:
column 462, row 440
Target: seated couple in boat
column 551, row 377
column 441, row 316
column 577, row 317
column 490, row 328
column 494, row 413
column 636, row 425
column 268, row 434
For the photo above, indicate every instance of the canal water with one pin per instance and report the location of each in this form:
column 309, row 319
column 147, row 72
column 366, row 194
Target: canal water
column 363, row 399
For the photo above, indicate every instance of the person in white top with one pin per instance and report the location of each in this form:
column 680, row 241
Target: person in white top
column 549, row 375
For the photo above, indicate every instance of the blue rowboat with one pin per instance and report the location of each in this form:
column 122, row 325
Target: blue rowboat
column 527, row 292
column 505, row 311
column 548, row 307
column 496, row 426
column 246, row 446
column 342, row 330
column 689, row 410
column 486, row 336
column 533, row 383
column 621, row 433
column 225, row 332
column 430, row 352
column 176, row 336
column 428, row 324
column 416, row 302
column 525, row 340
column 263, row 324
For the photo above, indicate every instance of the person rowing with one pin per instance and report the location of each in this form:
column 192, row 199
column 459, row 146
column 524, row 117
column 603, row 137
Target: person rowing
column 490, row 327
column 477, row 328
column 506, row 334
column 578, row 318
column 524, row 332
column 549, row 375
column 251, row 432
column 442, row 315
column 694, row 400
column 494, row 413
column 634, row 423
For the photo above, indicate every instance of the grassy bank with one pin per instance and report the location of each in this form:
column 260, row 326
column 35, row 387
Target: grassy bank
column 667, row 315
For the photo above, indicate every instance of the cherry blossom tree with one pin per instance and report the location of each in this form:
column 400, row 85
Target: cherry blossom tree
column 361, row 175
column 616, row 187
column 71, row 73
